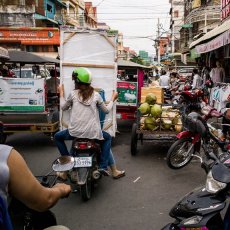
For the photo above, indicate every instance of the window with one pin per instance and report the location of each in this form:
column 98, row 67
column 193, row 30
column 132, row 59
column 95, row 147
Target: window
column 49, row 8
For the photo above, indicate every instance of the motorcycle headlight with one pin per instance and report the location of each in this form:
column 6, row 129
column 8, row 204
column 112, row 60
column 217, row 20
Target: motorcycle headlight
column 212, row 185
column 192, row 220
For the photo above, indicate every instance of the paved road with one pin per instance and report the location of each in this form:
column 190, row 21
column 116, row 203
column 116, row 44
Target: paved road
column 126, row 203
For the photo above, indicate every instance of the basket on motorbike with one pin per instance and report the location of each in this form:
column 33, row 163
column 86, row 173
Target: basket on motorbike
column 160, row 124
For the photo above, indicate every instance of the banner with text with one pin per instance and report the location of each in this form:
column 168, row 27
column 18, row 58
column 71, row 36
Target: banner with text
column 22, row 94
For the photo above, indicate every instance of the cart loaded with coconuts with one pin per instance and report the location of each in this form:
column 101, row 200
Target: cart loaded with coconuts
column 155, row 121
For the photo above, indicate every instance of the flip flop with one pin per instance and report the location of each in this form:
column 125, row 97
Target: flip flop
column 122, row 174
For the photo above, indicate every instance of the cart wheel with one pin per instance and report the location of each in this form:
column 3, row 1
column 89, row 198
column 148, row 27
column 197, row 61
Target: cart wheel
column 134, row 140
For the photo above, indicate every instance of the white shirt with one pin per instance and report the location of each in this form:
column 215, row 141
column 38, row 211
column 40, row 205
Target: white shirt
column 164, row 81
column 84, row 118
column 196, row 83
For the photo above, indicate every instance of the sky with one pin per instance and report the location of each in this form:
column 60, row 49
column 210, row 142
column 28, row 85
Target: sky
column 136, row 19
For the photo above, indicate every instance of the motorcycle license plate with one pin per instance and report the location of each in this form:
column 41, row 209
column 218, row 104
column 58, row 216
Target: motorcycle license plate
column 82, row 162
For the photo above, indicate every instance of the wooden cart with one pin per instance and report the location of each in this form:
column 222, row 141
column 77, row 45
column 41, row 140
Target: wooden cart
column 158, row 135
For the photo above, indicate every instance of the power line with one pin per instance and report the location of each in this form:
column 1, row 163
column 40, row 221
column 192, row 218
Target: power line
column 100, row 3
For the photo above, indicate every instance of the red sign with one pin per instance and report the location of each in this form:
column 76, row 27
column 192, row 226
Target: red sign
column 225, row 9
column 30, row 36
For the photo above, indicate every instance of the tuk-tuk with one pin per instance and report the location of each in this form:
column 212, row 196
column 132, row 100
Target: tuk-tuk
column 26, row 105
column 130, row 78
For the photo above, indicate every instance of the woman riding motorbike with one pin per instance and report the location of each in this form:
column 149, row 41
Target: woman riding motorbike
column 84, row 120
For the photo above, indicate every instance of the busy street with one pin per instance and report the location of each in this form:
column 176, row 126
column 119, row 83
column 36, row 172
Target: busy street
column 114, row 114
column 140, row 200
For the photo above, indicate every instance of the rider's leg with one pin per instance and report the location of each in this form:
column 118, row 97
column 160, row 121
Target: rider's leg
column 105, row 153
column 60, row 138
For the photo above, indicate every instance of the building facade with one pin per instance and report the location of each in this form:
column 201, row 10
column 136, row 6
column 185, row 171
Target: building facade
column 201, row 16
column 33, row 25
column 176, row 22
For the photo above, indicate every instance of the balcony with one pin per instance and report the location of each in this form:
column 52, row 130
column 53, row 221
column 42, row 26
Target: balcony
column 198, row 14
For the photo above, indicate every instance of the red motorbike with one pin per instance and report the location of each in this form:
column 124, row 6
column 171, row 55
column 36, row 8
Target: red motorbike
column 189, row 99
column 198, row 133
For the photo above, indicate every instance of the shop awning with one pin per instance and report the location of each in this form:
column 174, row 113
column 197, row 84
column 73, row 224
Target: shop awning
column 211, row 34
column 24, row 57
column 4, row 54
column 126, row 63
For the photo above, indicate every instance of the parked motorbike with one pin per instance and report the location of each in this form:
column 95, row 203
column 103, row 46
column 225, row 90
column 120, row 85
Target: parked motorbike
column 27, row 219
column 197, row 133
column 82, row 165
column 190, row 99
column 201, row 208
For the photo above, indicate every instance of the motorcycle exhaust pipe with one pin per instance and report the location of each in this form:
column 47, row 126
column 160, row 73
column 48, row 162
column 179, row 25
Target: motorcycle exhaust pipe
column 96, row 175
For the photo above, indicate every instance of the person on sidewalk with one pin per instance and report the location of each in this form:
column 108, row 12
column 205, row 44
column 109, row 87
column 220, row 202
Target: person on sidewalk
column 197, row 81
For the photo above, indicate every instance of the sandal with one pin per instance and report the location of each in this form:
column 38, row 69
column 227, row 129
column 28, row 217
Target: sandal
column 121, row 174
column 62, row 176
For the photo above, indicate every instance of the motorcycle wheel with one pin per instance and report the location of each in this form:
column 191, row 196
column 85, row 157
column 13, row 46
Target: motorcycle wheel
column 178, row 155
column 86, row 189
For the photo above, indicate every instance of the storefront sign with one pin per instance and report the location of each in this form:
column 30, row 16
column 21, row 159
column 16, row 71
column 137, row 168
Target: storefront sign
column 225, row 9
column 18, row 94
column 127, row 93
column 216, row 43
column 30, row 36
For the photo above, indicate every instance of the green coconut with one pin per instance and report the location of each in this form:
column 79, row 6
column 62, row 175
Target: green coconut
column 156, row 111
column 144, row 108
column 150, row 123
column 151, row 98
column 167, row 124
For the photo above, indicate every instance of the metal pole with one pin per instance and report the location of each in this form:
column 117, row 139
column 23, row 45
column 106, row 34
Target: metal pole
column 158, row 43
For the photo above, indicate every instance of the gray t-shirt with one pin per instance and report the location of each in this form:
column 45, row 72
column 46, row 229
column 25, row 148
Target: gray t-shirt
column 84, row 117
column 4, row 170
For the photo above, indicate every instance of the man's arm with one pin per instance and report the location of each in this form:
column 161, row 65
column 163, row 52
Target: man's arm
column 26, row 188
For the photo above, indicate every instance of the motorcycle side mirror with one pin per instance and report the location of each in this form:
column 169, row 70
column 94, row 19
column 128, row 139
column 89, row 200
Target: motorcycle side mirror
column 63, row 163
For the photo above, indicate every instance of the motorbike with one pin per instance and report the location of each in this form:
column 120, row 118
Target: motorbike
column 201, row 209
column 197, row 133
column 189, row 98
column 27, row 219
column 82, row 165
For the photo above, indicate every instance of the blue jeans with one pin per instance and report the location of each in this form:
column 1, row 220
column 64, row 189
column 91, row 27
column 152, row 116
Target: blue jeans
column 111, row 159
column 106, row 158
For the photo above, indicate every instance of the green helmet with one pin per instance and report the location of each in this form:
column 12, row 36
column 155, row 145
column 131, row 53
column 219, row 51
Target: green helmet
column 82, row 75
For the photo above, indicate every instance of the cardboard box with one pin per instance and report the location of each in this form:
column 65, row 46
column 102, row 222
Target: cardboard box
column 158, row 91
